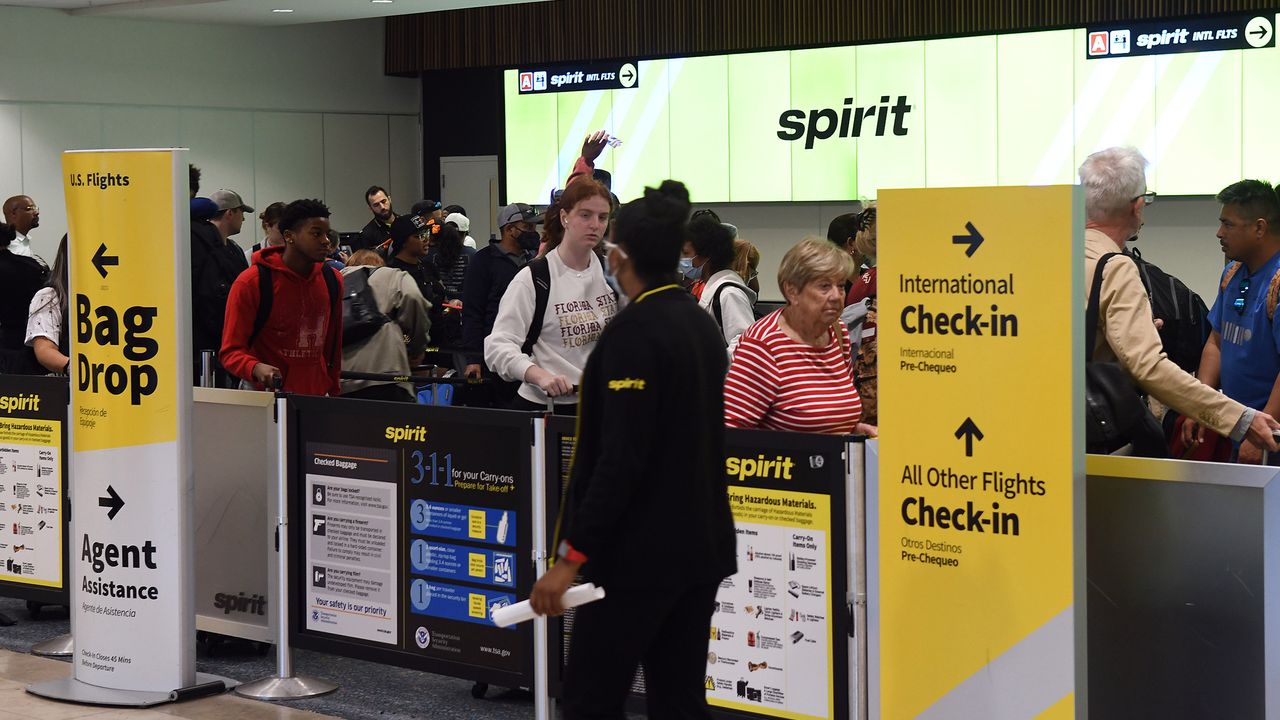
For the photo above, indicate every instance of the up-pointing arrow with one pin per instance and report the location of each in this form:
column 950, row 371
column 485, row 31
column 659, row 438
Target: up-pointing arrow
column 101, row 260
column 973, row 239
column 113, row 501
column 968, row 430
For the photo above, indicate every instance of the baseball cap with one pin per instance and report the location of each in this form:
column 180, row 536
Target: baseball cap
column 229, row 200
column 405, row 227
column 203, row 208
column 463, row 223
column 515, row 212
column 422, row 207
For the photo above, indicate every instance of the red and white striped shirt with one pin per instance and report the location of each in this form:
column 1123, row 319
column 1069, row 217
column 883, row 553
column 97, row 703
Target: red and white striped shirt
column 777, row 383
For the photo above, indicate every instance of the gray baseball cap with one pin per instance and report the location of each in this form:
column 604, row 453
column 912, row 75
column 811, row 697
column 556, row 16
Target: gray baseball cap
column 229, row 200
column 515, row 212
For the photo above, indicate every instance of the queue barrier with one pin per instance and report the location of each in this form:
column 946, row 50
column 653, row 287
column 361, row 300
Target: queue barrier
column 234, row 465
column 1184, row 588
column 1180, row 554
column 34, row 504
column 410, row 530
column 788, row 613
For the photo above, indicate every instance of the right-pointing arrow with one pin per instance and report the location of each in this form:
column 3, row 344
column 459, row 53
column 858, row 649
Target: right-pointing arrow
column 973, row 239
column 113, row 501
column 968, row 430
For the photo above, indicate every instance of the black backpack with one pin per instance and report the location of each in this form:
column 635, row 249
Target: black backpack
column 266, row 295
column 715, row 302
column 541, row 272
column 1184, row 314
column 360, row 315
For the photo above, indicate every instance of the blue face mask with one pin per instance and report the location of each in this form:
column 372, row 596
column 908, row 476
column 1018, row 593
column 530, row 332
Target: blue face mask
column 688, row 270
column 611, row 277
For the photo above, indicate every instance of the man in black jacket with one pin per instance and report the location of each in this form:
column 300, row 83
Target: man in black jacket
column 216, row 262
column 378, row 230
column 647, row 512
column 20, row 277
column 490, row 272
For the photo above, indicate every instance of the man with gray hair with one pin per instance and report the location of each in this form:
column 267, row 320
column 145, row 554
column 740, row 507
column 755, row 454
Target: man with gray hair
column 1116, row 196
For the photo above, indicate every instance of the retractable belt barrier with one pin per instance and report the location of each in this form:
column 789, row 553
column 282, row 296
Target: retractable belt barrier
column 33, row 489
column 234, row 465
column 413, row 523
column 780, row 636
column 409, row 530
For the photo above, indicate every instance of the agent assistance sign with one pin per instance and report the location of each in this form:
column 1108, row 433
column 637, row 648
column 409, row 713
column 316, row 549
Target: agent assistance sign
column 979, row 297
column 130, row 416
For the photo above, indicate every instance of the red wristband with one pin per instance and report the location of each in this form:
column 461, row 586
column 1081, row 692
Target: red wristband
column 567, row 552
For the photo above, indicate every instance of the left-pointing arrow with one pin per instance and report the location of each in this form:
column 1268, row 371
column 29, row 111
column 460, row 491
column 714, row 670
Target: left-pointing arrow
column 101, row 260
column 113, row 501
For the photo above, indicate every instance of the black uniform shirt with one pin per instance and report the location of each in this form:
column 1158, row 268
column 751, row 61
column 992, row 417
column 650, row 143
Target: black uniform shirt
column 647, row 499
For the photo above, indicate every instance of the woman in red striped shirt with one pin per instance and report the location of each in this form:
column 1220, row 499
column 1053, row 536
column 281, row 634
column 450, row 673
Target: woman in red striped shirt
column 792, row 370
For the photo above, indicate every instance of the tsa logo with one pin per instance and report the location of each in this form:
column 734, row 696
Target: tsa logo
column 1119, row 42
column 423, row 638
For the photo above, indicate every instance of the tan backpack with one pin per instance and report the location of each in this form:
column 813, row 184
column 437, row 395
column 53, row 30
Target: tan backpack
column 1273, row 292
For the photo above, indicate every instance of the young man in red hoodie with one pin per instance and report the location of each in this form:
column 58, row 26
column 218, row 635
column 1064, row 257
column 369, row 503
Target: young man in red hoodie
column 299, row 346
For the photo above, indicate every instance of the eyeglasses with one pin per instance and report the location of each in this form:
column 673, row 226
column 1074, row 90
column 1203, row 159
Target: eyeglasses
column 1148, row 197
column 30, row 208
column 1239, row 303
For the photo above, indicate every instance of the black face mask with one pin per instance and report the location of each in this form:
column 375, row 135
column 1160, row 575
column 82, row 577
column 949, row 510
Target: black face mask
column 528, row 240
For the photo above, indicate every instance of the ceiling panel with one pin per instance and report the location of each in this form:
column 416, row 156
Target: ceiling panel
column 252, row 12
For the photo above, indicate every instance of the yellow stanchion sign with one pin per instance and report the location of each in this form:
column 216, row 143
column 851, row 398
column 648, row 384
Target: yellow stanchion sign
column 122, row 324
column 980, row 312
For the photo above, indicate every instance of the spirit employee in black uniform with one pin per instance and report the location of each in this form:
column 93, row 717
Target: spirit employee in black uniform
column 646, row 514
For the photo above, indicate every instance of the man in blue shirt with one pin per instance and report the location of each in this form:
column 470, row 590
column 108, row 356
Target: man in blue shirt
column 1243, row 351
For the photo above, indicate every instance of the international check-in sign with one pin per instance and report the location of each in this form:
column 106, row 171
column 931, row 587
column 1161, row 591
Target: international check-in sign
column 979, row 488
column 132, row 605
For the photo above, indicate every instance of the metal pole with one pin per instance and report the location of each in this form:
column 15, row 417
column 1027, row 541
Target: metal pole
column 856, row 527
column 206, row 368
column 284, row 685
column 541, row 686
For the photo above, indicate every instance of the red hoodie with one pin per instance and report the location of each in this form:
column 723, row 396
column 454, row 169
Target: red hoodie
column 303, row 335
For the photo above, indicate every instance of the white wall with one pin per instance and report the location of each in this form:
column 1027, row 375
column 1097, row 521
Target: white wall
column 1178, row 236
column 273, row 113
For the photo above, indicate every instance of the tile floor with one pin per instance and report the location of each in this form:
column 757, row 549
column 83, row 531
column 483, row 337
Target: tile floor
column 17, row 670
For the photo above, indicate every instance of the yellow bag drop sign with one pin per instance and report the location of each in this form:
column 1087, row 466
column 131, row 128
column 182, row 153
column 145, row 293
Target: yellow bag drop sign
column 123, row 330
column 979, row 292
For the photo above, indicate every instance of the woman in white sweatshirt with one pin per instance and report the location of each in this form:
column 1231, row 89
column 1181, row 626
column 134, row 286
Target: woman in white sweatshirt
column 579, row 302
column 708, row 258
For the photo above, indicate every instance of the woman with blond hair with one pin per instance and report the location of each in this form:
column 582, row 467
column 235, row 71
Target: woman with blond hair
column 792, row 370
